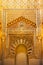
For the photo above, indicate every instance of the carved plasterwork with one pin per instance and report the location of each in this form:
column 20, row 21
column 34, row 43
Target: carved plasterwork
column 21, row 25
column 21, row 31
column 18, row 4
column 18, row 39
column 19, row 19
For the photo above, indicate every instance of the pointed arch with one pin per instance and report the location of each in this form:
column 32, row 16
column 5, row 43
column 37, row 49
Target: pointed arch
column 21, row 55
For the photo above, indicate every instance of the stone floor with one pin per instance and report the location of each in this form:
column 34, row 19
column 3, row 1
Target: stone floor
column 31, row 62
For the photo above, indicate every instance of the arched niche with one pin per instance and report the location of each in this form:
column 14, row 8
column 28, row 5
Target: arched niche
column 21, row 55
column 20, row 28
